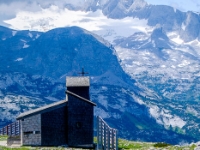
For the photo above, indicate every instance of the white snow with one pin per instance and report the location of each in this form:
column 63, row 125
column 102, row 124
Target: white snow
column 103, row 100
column 137, row 4
column 174, row 9
column 183, row 26
column 25, row 45
column 164, row 117
column 192, row 111
column 37, row 36
column 163, row 66
column 19, row 59
column 101, row 112
column 138, row 100
column 14, row 33
column 97, row 3
column 184, row 63
column 175, row 37
column 52, row 98
column 104, row 88
column 172, row 66
column 53, row 17
column 11, row 103
column 23, row 40
column 30, row 35
column 153, row 43
column 176, row 66
column 177, row 40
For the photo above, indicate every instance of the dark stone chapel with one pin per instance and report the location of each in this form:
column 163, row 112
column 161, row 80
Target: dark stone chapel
column 67, row 122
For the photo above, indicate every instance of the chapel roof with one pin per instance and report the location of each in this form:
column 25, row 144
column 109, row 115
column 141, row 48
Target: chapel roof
column 52, row 106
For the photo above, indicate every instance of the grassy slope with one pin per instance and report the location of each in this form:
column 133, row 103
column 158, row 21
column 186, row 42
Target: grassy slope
column 123, row 144
column 3, row 137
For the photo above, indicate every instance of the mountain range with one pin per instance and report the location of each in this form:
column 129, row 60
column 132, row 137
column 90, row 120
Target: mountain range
column 145, row 82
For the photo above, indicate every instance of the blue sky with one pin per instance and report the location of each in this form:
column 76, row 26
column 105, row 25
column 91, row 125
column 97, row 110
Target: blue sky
column 183, row 5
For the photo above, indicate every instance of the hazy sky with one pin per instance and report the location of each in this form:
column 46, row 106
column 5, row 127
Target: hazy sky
column 183, row 5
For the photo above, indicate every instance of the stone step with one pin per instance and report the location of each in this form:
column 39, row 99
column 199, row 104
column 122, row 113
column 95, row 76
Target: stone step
column 14, row 141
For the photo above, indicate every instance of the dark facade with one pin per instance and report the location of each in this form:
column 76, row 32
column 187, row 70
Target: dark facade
column 31, row 130
column 81, row 91
column 53, row 126
column 67, row 122
column 80, row 122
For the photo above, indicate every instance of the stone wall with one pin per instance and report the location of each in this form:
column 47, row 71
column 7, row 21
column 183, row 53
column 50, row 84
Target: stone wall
column 54, row 127
column 80, row 122
column 31, row 130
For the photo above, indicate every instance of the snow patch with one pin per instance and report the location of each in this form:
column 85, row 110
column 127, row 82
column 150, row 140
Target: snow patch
column 101, row 112
column 138, row 100
column 104, row 88
column 14, row 33
column 173, row 36
column 25, row 45
column 30, row 35
column 174, row 9
column 53, row 17
column 172, row 66
column 163, row 66
column 97, row 3
column 23, row 40
column 37, row 36
column 184, row 63
column 164, row 117
column 192, row 111
column 153, row 43
column 103, row 100
column 19, row 59
column 52, row 98
column 183, row 26
column 177, row 40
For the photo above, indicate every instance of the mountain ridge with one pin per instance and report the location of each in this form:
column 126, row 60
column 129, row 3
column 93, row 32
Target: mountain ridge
column 29, row 84
column 154, row 67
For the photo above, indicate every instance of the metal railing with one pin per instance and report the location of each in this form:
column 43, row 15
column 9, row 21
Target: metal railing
column 12, row 129
column 106, row 137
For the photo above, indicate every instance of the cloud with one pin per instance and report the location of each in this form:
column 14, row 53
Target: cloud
column 10, row 9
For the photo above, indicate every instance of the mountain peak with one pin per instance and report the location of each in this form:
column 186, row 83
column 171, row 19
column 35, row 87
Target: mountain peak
column 138, row 4
column 159, row 38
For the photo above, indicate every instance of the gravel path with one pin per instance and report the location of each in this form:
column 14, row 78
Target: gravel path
column 3, row 143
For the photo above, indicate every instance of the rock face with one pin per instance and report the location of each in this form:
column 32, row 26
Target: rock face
column 146, row 84
column 171, row 19
column 34, row 76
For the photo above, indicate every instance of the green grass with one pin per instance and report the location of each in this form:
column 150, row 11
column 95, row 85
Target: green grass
column 161, row 145
column 122, row 145
column 125, row 144
column 3, row 137
column 20, row 148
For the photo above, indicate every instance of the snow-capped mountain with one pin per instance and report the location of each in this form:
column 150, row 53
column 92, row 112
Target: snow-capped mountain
column 35, row 76
column 150, row 70
column 98, row 15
